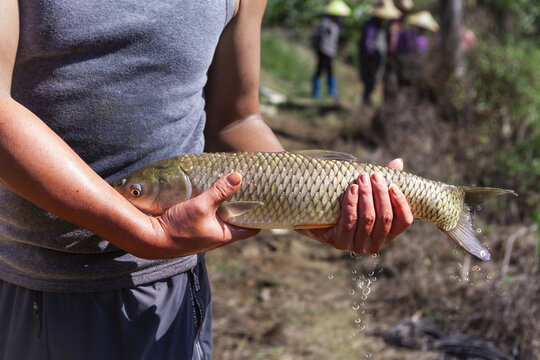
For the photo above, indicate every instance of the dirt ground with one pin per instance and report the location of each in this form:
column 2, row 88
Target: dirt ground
column 284, row 296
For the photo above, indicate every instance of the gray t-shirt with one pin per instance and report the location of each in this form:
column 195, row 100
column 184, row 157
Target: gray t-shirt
column 122, row 82
column 329, row 36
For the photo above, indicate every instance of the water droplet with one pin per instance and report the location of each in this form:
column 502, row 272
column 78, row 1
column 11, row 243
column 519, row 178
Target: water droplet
column 374, row 279
column 476, row 268
column 363, row 311
column 375, row 256
column 352, row 254
column 354, row 271
column 479, row 231
column 368, row 356
column 372, row 273
column 366, row 291
column 363, row 283
column 351, row 292
column 355, row 306
column 489, row 277
column 358, row 321
column 364, row 297
column 330, row 277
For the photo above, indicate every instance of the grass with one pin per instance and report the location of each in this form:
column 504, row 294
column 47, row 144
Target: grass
column 287, row 65
column 290, row 66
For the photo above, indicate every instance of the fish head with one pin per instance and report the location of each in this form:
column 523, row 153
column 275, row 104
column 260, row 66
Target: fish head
column 153, row 189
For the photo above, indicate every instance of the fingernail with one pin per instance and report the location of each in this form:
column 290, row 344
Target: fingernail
column 364, row 179
column 395, row 190
column 234, row 179
column 378, row 178
column 354, row 189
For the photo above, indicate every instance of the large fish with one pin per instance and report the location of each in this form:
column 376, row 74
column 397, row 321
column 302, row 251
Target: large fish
column 299, row 190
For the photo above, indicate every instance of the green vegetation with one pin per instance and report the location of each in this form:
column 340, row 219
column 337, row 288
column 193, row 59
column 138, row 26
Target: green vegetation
column 499, row 107
column 286, row 61
column 519, row 17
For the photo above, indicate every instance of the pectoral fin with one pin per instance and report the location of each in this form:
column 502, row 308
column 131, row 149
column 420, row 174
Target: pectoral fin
column 231, row 209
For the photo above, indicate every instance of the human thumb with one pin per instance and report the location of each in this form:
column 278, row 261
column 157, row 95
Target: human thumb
column 396, row 164
column 223, row 189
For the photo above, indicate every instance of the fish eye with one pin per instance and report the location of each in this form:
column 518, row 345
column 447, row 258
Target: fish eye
column 135, row 190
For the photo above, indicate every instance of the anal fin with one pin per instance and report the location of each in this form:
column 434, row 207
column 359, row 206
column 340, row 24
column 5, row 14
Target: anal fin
column 464, row 235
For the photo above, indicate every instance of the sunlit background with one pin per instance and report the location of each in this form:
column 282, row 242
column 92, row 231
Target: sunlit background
column 469, row 114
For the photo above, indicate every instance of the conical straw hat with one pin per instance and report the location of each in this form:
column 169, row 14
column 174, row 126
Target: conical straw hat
column 405, row 5
column 338, row 8
column 386, row 10
column 423, row 19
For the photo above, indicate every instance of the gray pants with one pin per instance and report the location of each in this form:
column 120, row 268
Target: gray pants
column 169, row 319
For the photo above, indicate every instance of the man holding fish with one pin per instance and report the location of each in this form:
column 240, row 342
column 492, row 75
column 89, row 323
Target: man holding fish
column 91, row 91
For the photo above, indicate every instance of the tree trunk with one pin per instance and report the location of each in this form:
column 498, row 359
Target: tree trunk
column 451, row 22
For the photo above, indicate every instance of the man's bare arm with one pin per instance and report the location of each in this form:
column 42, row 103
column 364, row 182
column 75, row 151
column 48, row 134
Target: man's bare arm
column 39, row 166
column 234, row 121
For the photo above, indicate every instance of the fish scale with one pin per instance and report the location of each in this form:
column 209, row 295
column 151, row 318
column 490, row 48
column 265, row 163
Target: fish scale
column 310, row 191
column 299, row 190
column 317, row 183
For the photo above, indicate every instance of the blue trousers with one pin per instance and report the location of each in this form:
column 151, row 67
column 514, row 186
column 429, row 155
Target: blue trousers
column 169, row 319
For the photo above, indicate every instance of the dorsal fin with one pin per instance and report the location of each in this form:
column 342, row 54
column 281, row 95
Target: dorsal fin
column 326, row 155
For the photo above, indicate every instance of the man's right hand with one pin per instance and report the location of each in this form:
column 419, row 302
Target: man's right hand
column 193, row 226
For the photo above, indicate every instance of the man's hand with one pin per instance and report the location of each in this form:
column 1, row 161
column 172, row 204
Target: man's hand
column 193, row 226
column 371, row 215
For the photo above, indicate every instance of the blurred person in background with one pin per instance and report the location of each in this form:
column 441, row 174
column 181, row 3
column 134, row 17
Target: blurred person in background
column 468, row 39
column 413, row 45
column 325, row 43
column 373, row 46
column 395, row 28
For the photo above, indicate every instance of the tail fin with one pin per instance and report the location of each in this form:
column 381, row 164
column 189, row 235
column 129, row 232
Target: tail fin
column 477, row 195
column 463, row 233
